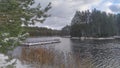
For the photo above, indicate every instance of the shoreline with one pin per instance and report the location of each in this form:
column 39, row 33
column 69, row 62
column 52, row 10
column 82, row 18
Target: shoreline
column 95, row 38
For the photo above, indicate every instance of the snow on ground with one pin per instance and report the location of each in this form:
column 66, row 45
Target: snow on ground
column 4, row 63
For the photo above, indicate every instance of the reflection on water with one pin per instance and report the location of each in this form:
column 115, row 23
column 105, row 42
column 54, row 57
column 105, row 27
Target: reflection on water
column 100, row 53
column 70, row 54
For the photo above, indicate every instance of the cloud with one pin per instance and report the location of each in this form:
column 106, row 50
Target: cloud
column 63, row 11
column 115, row 7
column 104, row 6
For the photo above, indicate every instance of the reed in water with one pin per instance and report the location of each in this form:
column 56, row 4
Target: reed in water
column 51, row 58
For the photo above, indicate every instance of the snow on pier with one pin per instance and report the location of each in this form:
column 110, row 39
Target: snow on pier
column 42, row 42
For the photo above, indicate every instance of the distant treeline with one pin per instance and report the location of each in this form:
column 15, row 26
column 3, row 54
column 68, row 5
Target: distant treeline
column 42, row 31
column 95, row 24
column 65, row 31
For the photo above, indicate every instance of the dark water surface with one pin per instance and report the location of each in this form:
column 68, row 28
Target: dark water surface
column 77, row 53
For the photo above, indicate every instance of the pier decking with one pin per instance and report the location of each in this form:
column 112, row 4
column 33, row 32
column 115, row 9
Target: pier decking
column 41, row 42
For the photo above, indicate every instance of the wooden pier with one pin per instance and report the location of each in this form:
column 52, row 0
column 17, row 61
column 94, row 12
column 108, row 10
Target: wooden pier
column 41, row 42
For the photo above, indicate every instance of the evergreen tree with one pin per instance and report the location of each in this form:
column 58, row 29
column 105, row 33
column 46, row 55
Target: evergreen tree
column 65, row 31
column 13, row 14
column 118, row 23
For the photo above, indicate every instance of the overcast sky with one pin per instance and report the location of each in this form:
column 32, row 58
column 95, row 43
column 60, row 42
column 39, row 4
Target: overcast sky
column 63, row 10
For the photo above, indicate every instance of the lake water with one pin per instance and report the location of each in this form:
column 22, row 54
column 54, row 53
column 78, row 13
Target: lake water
column 69, row 54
